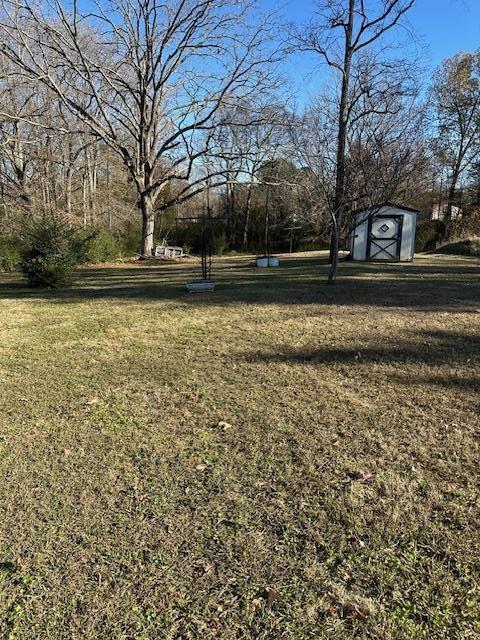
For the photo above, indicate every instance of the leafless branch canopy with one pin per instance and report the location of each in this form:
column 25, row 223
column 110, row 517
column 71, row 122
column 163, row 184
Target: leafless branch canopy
column 146, row 77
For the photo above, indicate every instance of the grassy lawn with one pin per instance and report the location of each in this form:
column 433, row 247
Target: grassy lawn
column 279, row 459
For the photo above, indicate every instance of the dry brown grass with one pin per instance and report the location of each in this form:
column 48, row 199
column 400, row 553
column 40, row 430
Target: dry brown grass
column 278, row 459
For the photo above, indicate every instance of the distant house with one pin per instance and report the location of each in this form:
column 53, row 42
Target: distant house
column 439, row 211
column 383, row 233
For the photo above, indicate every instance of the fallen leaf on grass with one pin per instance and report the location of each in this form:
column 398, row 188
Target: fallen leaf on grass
column 255, row 604
column 272, row 597
column 364, row 476
column 352, row 612
column 201, row 467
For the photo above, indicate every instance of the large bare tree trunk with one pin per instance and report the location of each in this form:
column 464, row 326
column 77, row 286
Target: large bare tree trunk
column 448, row 214
column 148, row 224
column 68, row 189
column 92, row 186
column 451, row 195
column 231, row 212
column 109, row 204
column 246, row 219
column 267, row 222
column 339, row 199
column 85, row 199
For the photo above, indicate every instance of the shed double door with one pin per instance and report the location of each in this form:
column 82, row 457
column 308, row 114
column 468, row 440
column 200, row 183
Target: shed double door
column 384, row 238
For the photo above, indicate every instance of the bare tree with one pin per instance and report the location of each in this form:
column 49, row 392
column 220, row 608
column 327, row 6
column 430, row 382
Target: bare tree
column 20, row 140
column 37, row 164
column 456, row 94
column 249, row 139
column 385, row 159
column 341, row 32
column 146, row 78
column 387, row 156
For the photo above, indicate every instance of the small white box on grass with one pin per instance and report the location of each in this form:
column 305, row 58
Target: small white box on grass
column 267, row 261
column 201, row 285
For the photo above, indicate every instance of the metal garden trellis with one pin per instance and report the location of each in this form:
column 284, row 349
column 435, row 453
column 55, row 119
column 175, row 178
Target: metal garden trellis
column 206, row 250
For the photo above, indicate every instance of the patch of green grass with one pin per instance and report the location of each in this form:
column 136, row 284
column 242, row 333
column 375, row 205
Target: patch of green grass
column 278, row 459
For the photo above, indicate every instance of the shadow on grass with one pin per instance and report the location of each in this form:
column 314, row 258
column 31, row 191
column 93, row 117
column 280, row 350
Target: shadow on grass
column 433, row 348
column 427, row 286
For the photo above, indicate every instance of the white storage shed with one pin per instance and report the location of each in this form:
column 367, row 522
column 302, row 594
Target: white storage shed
column 383, row 233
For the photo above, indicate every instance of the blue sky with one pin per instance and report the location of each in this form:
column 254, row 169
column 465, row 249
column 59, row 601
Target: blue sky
column 443, row 27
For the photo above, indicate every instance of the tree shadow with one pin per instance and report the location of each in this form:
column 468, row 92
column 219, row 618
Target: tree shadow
column 470, row 383
column 425, row 347
column 434, row 285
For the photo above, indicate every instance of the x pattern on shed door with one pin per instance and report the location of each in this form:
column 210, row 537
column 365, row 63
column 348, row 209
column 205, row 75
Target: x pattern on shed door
column 384, row 238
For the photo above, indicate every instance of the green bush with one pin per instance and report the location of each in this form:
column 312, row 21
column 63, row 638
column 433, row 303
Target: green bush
column 10, row 255
column 52, row 250
column 99, row 246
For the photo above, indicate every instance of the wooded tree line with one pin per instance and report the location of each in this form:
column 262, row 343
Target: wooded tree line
column 140, row 117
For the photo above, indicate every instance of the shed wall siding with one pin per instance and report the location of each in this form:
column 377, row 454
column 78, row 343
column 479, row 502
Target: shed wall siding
column 408, row 236
column 360, row 241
